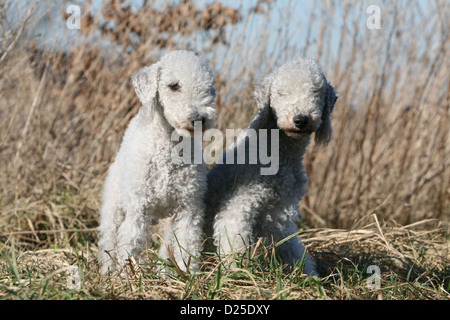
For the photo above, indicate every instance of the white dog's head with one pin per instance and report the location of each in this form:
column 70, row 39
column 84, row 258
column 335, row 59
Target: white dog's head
column 182, row 83
column 300, row 98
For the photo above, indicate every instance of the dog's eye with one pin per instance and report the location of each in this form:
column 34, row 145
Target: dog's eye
column 174, row 86
column 281, row 93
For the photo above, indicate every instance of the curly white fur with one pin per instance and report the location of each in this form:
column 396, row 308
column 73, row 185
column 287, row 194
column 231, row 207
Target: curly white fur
column 243, row 205
column 144, row 184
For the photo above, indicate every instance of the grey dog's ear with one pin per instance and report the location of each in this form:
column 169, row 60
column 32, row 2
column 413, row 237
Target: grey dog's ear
column 323, row 133
column 262, row 93
column 145, row 83
column 262, row 97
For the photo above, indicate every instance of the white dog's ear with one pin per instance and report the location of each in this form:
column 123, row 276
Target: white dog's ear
column 323, row 133
column 145, row 83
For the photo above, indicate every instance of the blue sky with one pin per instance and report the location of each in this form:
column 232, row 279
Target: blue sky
column 287, row 17
column 298, row 11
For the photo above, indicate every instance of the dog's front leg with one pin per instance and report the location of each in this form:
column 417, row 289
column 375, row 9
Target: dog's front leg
column 182, row 238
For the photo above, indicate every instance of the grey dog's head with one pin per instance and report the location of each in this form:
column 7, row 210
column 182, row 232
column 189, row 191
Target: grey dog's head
column 300, row 98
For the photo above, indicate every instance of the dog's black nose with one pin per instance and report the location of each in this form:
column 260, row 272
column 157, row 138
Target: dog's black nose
column 301, row 121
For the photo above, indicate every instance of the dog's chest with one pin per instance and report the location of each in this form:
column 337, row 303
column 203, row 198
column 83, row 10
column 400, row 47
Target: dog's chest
column 166, row 184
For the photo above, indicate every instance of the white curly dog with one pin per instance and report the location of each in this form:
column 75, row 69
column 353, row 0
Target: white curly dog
column 144, row 184
column 242, row 204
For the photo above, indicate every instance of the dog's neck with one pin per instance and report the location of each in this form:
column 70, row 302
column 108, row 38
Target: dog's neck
column 160, row 131
column 153, row 117
column 291, row 147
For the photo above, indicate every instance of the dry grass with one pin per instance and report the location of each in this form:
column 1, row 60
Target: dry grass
column 63, row 113
column 413, row 261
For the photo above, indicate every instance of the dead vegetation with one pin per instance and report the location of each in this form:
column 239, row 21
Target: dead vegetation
column 379, row 193
column 412, row 259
